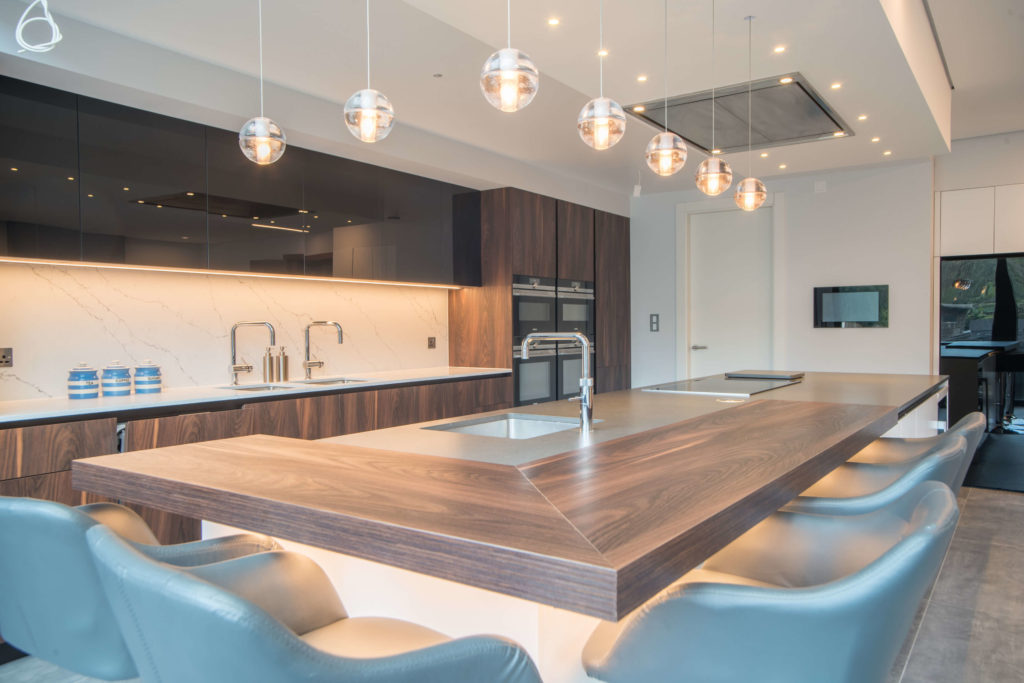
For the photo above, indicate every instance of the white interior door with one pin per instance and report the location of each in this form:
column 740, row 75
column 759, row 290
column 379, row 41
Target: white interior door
column 730, row 291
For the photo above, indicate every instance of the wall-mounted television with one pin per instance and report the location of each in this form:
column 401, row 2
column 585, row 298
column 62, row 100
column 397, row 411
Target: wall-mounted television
column 861, row 306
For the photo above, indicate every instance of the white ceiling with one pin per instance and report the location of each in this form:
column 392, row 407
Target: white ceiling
column 984, row 47
column 198, row 58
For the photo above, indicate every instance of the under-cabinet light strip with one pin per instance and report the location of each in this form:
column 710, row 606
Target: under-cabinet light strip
column 230, row 273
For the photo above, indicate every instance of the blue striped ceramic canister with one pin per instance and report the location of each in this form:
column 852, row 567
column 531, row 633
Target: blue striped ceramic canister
column 147, row 378
column 83, row 382
column 117, row 380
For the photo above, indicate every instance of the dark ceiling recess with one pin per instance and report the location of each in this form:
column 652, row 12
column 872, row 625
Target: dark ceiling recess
column 228, row 206
column 782, row 114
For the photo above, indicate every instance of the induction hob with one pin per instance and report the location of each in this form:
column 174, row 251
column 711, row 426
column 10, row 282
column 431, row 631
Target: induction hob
column 719, row 385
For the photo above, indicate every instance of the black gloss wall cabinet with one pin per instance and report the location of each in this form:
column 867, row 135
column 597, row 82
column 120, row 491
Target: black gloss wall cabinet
column 83, row 179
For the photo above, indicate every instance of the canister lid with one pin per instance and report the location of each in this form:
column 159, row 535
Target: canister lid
column 116, row 365
column 83, row 367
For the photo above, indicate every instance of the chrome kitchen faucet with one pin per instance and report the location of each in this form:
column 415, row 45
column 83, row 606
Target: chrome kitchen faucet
column 586, row 397
column 235, row 367
column 308, row 363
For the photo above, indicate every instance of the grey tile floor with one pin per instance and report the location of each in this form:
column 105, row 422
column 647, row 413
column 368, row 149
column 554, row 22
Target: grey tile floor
column 969, row 630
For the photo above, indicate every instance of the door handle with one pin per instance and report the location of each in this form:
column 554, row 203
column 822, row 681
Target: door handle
column 698, row 347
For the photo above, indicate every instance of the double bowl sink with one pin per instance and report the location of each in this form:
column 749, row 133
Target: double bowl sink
column 294, row 385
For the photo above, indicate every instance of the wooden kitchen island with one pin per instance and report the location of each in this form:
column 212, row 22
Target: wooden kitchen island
column 593, row 525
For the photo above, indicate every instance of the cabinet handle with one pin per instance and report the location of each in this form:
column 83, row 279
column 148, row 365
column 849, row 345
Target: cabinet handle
column 698, row 347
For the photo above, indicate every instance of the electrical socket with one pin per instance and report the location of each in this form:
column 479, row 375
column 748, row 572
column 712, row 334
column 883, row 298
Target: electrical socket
column 431, row 342
column 6, row 358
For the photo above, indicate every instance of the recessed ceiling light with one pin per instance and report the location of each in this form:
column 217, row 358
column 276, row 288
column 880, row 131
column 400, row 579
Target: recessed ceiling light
column 639, row 108
column 14, row 168
column 223, row 215
column 126, row 188
column 190, row 194
column 159, row 206
column 602, row 52
column 764, row 155
column 642, row 78
column 255, row 218
column 837, row 85
column 71, row 177
column 839, row 134
column 89, row 196
column 554, row 21
column 349, row 220
column 716, row 151
column 782, row 166
column 303, row 210
column 779, row 49
column 139, row 201
column 185, row 237
column 786, row 80
column 316, row 216
column 862, row 117
column 887, row 152
column 875, row 139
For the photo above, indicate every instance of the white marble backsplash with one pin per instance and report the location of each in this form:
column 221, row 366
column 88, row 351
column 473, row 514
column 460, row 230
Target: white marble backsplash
column 55, row 317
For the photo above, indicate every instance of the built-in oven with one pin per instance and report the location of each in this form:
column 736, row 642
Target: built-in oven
column 570, row 368
column 575, row 307
column 535, row 380
column 533, row 306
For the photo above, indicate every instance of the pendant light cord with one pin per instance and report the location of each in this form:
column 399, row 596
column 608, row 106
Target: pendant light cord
column 600, row 47
column 508, row 10
column 666, row 65
column 367, row 44
column 750, row 28
column 712, row 74
column 259, row 30
column 45, row 17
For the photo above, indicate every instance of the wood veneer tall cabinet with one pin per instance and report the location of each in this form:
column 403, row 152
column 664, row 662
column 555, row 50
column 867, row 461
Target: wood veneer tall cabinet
column 527, row 234
column 611, row 317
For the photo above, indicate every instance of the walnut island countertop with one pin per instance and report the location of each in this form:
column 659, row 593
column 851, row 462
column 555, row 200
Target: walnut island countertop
column 594, row 524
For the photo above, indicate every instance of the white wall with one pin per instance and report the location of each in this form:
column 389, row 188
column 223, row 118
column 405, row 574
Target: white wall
column 986, row 161
column 869, row 226
column 65, row 315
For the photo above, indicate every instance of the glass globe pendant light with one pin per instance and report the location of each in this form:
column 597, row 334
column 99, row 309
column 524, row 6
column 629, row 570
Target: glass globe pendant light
column 713, row 175
column 509, row 80
column 368, row 113
column 750, row 192
column 602, row 121
column 666, row 152
column 262, row 141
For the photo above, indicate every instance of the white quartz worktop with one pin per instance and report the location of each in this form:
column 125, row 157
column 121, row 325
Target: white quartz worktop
column 43, row 409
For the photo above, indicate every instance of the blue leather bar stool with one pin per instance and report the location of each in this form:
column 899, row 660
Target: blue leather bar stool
column 854, row 488
column 275, row 617
column 894, row 451
column 797, row 599
column 52, row 605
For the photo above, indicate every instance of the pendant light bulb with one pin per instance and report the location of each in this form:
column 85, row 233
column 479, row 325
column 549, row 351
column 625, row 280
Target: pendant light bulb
column 601, row 123
column 261, row 140
column 368, row 113
column 750, row 194
column 509, row 80
column 666, row 154
column 713, row 176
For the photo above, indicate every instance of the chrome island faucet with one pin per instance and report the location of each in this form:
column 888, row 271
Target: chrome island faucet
column 235, row 367
column 586, row 397
column 308, row 363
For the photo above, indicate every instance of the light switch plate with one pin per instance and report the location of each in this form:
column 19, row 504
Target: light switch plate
column 431, row 342
column 6, row 358
column 655, row 322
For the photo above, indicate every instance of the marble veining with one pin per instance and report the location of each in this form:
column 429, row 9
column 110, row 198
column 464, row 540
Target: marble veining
column 61, row 316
